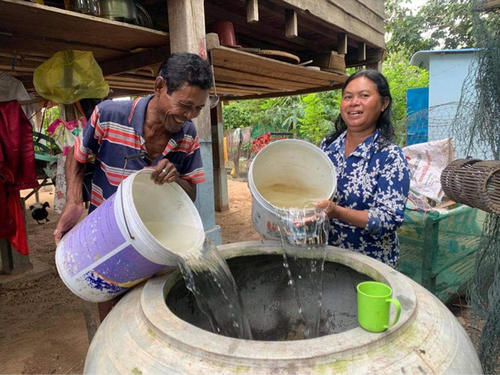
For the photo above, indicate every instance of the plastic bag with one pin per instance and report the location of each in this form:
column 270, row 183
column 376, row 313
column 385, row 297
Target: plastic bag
column 69, row 76
column 426, row 162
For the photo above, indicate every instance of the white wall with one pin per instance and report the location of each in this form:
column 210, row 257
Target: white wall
column 447, row 73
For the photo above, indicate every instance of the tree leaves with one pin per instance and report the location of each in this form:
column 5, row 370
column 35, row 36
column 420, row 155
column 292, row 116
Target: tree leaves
column 443, row 24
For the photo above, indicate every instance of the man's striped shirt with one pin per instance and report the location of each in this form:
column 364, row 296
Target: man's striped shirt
column 115, row 132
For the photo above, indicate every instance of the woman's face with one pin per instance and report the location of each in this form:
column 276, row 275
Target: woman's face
column 362, row 105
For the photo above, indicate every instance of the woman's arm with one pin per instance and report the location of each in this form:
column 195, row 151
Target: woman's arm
column 358, row 218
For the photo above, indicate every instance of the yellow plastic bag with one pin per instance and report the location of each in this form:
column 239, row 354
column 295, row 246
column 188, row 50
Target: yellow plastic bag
column 69, row 76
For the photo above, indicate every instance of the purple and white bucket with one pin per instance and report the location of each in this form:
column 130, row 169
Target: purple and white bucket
column 111, row 250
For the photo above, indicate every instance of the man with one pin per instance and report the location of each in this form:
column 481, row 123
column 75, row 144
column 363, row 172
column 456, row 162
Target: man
column 126, row 136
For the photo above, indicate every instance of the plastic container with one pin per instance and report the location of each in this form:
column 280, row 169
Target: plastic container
column 292, row 163
column 135, row 233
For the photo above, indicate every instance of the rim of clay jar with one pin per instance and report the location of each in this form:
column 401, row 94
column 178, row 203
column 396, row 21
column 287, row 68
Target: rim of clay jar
column 201, row 342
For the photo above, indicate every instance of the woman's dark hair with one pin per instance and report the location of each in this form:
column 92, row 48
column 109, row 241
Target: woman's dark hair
column 384, row 121
column 187, row 68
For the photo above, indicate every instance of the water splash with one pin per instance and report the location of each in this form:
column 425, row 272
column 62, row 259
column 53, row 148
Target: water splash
column 208, row 277
column 304, row 230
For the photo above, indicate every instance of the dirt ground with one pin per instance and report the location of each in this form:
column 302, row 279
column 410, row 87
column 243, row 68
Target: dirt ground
column 42, row 324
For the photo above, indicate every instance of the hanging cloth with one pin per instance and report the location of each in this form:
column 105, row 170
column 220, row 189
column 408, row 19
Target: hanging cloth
column 17, row 171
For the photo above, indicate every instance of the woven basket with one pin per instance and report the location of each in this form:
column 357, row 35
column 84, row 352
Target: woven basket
column 473, row 182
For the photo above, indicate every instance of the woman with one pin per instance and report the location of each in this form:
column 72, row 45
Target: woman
column 372, row 173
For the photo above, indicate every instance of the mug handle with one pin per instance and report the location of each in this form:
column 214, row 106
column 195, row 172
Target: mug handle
column 398, row 311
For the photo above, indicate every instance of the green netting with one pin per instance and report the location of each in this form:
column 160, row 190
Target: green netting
column 438, row 248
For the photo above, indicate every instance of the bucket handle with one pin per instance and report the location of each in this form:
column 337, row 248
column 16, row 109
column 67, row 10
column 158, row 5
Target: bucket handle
column 140, row 155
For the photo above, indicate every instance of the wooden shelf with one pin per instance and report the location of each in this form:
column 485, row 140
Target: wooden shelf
column 30, row 33
column 260, row 76
column 28, row 28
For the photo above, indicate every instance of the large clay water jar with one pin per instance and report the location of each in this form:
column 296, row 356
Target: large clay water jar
column 287, row 164
column 153, row 329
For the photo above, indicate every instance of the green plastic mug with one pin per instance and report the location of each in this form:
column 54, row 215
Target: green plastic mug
column 374, row 301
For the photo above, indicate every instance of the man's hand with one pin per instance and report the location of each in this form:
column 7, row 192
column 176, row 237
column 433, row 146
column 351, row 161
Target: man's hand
column 69, row 218
column 164, row 172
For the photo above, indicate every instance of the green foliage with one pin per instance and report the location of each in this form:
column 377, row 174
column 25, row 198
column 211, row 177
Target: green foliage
column 238, row 114
column 403, row 29
column 401, row 77
column 312, row 116
column 320, row 110
column 308, row 116
column 444, row 24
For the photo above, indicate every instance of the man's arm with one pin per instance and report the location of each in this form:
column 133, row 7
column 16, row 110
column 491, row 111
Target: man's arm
column 73, row 209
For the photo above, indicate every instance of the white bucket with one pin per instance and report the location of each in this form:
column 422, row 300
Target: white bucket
column 135, row 233
column 293, row 163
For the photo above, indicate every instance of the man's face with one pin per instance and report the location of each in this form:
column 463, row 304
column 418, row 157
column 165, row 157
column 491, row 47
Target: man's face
column 182, row 105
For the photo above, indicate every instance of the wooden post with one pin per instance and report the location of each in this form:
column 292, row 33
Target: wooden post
column 7, row 262
column 342, row 44
column 291, row 25
column 362, row 51
column 376, row 60
column 186, row 23
column 220, row 177
column 376, row 65
column 252, row 11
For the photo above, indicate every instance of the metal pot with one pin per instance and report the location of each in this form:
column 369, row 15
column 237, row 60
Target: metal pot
column 119, row 10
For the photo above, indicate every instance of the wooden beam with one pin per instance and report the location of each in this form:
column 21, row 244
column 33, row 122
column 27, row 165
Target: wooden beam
column 375, row 65
column 342, row 43
column 227, row 75
column 41, row 46
column 252, row 11
column 490, row 5
column 333, row 61
column 228, row 86
column 284, row 93
column 250, row 63
column 362, row 51
column 135, row 61
column 212, row 40
column 351, row 16
column 375, row 6
column 51, row 23
column 291, row 25
column 148, row 86
column 261, row 31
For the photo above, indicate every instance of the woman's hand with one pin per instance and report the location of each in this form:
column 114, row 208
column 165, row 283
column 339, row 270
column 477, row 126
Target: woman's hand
column 328, row 208
column 352, row 216
column 164, row 172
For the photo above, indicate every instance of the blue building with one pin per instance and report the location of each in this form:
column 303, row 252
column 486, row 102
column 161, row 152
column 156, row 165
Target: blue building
column 431, row 111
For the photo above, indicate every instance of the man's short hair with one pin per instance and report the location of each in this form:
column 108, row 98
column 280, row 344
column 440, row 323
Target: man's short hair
column 187, row 68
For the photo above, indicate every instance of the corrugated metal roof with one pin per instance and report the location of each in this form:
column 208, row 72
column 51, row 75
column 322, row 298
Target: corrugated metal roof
column 421, row 58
